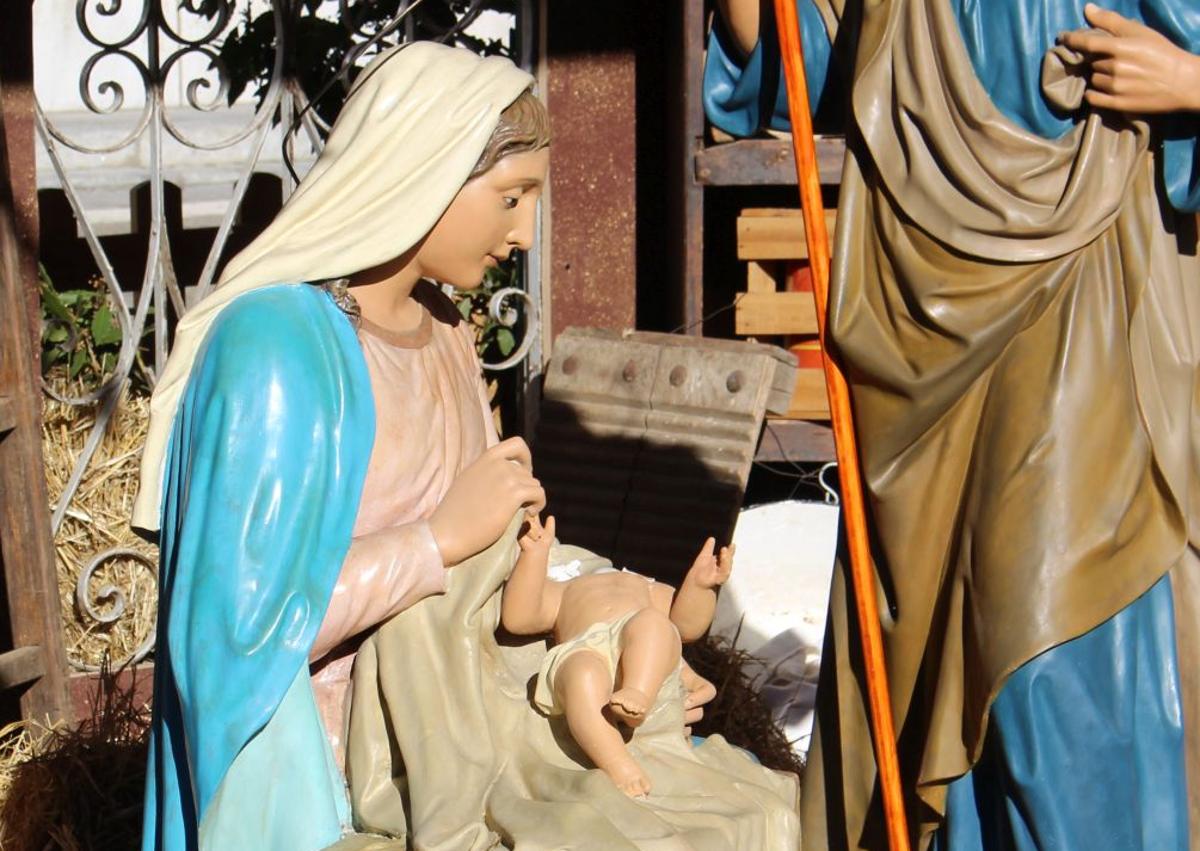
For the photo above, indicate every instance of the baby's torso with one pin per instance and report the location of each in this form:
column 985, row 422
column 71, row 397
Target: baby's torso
column 606, row 597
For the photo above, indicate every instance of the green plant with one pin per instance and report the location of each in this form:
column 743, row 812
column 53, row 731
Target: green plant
column 80, row 333
column 493, row 341
column 321, row 44
column 81, row 337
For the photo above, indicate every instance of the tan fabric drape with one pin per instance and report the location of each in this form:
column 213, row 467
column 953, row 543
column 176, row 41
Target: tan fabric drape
column 447, row 753
column 1017, row 319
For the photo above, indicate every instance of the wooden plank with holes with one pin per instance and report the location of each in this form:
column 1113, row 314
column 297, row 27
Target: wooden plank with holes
column 771, row 313
column 646, row 440
column 774, row 234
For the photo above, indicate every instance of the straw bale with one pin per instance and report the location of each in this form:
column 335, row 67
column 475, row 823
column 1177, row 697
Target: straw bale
column 97, row 519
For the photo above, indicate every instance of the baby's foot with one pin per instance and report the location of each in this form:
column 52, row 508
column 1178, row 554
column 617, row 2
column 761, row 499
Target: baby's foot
column 630, row 778
column 630, row 705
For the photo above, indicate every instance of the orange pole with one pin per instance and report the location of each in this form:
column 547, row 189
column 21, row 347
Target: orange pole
column 853, row 511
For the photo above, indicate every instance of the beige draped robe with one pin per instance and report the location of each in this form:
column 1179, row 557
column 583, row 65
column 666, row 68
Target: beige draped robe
column 447, row 753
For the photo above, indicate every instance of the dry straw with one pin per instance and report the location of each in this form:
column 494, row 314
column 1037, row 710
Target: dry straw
column 739, row 712
column 97, row 520
column 76, row 788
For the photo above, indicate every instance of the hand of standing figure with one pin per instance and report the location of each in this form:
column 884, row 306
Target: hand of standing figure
column 1133, row 67
column 483, row 499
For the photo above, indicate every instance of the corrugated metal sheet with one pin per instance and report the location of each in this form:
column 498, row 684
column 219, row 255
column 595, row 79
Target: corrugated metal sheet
column 646, row 440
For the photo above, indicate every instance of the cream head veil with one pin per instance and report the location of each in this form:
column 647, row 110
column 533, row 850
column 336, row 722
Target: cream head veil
column 405, row 142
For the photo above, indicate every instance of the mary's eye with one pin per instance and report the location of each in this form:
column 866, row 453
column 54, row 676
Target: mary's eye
column 510, row 202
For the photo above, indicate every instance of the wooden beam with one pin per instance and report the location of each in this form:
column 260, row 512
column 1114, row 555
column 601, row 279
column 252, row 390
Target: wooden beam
column 20, row 667
column 8, row 416
column 794, row 440
column 809, row 400
column 763, row 314
column 760, row 277
column 766, row 162
column 770, row 234
column 26, row 548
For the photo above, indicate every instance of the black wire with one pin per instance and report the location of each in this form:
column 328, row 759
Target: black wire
column 703, row 319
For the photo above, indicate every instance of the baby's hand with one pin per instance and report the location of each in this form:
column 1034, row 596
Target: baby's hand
column 711, row 569
column 537, row 538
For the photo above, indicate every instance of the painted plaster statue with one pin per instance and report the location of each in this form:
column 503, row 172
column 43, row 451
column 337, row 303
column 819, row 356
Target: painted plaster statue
column 617, row 638
column 312, row 472
column 336, row 517
column 1015, row 296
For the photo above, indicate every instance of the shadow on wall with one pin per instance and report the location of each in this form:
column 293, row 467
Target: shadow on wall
column 643, row 504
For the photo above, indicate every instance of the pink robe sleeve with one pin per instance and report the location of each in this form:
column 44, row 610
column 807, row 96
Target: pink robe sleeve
column 384, row 573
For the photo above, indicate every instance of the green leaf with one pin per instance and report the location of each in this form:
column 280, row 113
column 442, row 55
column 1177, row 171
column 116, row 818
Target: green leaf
column 505, row 341
column 105, row 329
column 81, row 299
column 57, row 334
column 464, row 307
column 53, row 304
column 78, row 362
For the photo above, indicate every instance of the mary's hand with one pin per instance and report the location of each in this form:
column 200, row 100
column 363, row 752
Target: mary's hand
column 1134, row 68
column 483, row 499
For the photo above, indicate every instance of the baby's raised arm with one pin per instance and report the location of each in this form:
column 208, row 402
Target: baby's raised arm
column 530, row 603
column 696, row 600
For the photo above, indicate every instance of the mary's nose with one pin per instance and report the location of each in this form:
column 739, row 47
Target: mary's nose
column 521, row 236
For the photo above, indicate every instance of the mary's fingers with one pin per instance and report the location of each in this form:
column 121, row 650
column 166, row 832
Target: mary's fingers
column 550, row 527
column 533, row 497
column 514, row 449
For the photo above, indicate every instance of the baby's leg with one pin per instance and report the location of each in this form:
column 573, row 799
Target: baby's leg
column 650, row 651
column 583, row 685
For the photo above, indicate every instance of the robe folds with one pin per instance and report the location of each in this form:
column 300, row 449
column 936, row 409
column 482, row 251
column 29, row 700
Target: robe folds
column 1014, row 299
column 265, row 467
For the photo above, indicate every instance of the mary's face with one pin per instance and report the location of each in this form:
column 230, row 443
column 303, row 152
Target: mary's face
column 491, row 215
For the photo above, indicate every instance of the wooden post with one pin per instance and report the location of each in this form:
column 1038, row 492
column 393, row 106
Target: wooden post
column 26, row 548
column 862, row 571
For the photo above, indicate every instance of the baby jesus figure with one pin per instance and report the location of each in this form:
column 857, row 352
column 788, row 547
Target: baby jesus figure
column 617, row 638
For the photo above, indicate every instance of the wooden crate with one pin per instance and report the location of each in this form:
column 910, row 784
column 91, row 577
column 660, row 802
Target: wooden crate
column 768, row 233
column 778, row 300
